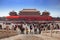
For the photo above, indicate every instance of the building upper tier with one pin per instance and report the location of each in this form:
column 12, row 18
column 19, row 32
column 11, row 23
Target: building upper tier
column 29, row 12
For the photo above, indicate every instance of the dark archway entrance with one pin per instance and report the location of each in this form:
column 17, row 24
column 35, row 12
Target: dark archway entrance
column 0, row 26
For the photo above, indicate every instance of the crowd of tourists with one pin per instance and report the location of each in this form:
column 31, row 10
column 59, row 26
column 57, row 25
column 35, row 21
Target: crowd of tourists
column 35, row 28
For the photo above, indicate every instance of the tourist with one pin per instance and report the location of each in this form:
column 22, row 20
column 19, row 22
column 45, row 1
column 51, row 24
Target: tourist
column 18, row 30
column 48, row 27
column 39, row 28
column 31, row 28
column 24, row 26
column 22, row 29
column 12, row 27
column 57, row 26
column 15, row 27
column 42, row 27
column 26, row 30
column 35, row 29
column 7, row 27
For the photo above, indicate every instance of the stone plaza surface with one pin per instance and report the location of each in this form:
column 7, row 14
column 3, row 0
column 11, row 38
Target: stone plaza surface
column 30, row 37
column 5, row 33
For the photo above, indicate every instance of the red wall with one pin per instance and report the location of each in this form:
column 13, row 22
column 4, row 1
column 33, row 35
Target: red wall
column 30, row 17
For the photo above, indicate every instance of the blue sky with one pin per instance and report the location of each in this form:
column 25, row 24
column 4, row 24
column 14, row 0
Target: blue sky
column 53, row 6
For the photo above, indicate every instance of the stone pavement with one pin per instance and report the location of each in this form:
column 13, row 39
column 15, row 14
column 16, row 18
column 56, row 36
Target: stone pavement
column 30, row 37
column 47, row 37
